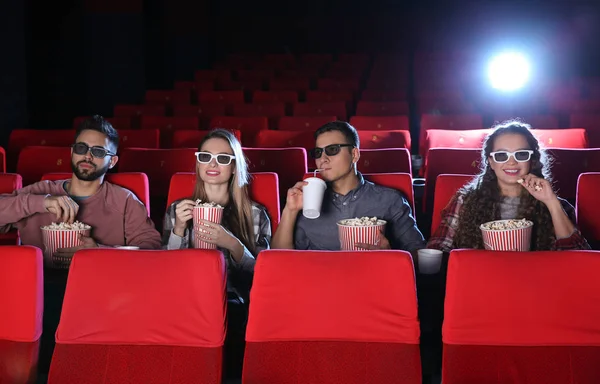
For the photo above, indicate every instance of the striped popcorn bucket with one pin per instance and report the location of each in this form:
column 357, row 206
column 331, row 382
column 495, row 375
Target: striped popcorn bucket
column 60, row 238
column 518, row 239
column 212, row 214
column 350, row 235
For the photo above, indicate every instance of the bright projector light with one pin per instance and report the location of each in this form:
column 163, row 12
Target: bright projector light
column 508, row 71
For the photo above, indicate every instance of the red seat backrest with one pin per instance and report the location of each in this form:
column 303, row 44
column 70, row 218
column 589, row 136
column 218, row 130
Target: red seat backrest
column 117, row 122
column 177, row 336
column 441, row 138
column 21, row 138
column 561, row 138
column 376, row 123
column 384, row 139
column 284, row 139
column 135, row 138
column 382, row 108
column 248, row 126
column 328, row 108
column 446, row 187
column 568, row 164
column 267, row 109
column 229, row 97
column 192, row 139
column 335, row 319
column 136, row 182
column 384, row 161
column 377, row 95
column 455, row 122
column 167, row 97
column 2, row 160
column 21, row 320
column 264, row 189
column 320, row 96
column 536, row 121
column 130, row 110
column 339, row 84
column 509, row 319
column 34, row 162
column 587, row 207
column 303, row 123
column 273, row 96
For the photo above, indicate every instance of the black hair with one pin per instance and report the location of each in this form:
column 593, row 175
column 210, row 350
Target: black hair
column 99, row 124
column 345, row 128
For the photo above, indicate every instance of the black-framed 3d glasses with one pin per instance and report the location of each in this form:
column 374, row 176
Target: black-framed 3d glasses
column 96, row 151
column 330, row 150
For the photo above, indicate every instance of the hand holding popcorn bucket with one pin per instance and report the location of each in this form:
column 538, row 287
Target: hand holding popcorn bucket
column 62, row 235
column 360, row 231
column 507, row 235
column 209, row 212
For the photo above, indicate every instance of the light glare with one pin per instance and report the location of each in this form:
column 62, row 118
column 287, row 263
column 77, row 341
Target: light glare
column 508, row 71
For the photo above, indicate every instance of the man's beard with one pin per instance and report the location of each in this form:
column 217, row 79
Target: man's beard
column 88, row 174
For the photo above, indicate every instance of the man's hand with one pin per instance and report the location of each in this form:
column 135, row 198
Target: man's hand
column 63, row 207
column 86, row 242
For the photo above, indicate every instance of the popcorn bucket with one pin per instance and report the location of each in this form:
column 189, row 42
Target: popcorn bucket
column 350, row 235
column 60, row 238
column 212, row 214
column 517, row 239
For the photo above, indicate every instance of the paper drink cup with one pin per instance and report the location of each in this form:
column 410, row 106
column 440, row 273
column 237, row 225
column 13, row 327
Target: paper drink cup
column 350, row 235
column 518, row 239
column 212, row 214
column 312, row 197
column 60, row 238
column 430, row 261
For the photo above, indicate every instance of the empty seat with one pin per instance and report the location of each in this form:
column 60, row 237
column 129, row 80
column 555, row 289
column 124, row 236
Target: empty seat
column 229, row 97
column 335, row 330
column 116, row 122
column 446, row 187
column 267, row 109
column 264, row 189
column 591, row 123
column 376, row 123
column 444, row 105
column 299, row 123
column 449, row 122
column 378, row 96
column 587, row 208
column 167, row 125
column 21, row 138
column 384, row 161
column 10, row 182
column 169, row 97
column 248, row 126
column 568, row 164
column 148, row 138
column 283, row 139
column 339, row 84
column 331, row 108
column 274, row 96
column 114, row 333
column 536, row 121
column 441, row 138
column 320, row 96
column 382, row 108
column 561, row 138
column 35, row 161
column 204, row 112
column 384, row 139
column 22, row 282
column 509, row 319
column 192, row 139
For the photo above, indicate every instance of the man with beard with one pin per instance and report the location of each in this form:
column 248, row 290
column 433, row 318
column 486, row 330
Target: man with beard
column 116, row 215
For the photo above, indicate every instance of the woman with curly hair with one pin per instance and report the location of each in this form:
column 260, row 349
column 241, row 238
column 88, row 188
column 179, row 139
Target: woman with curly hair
column 514, row 183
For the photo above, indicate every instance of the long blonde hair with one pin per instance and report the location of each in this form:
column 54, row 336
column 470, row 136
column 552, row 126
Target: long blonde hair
column 238, row 214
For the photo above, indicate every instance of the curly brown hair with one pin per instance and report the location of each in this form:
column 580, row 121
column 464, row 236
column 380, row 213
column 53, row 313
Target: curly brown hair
column 482, row 197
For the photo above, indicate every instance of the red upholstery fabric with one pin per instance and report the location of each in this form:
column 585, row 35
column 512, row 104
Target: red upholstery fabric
column 300, row 123
column 22, row 273
column 134, row 138
column 441, row 138
column 18, row 362
column 320, row 96
column 376, row 123
column 35, row 161
column 449, row 122
column 8, row 183
column 283, row 139
column 2, row 160
column 444, row 105
column 329, row 108
column 192, row 139
column 399, row 181
column 267, row 109
column 264, row 189
column 248, row 126
column 169, row 97
column 568, row 164
column 204, row 111
column 446, row 187
column 382, row 108
column 136, row 182
column 587, row 207
column 117, row 122
column 464, row 161
column 166, row 126
column 283, row 96
column 21, row 138
column 561, row 138
column 337, row 318
column 124, row 110
column 502, row 308
column 376, row 95
column 384, row 161
column 384, row 139
column 536, row 121
column 128, row 335
column 221, row 97
column 591, row 123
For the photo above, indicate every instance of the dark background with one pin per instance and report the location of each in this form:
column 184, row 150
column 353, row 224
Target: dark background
column 69, row 58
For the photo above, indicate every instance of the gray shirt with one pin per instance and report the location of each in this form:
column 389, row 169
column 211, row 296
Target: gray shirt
column 509, row 208
column 367, row 199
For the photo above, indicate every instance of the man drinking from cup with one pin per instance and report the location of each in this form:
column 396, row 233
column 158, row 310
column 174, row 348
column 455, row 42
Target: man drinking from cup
column 347, row 195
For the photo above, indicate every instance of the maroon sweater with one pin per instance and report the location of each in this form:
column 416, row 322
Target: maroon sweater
column 116, row 215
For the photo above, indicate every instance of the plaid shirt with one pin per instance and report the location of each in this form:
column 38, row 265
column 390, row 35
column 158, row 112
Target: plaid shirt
column 443, row 238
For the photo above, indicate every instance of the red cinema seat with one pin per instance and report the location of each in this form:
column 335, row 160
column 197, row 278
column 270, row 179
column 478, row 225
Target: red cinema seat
column 561, row 138
column 275, row 96
column 192, row 139
column 536, row 121
column 21, row 138
column 267, row 109
column 288, row 163
column 331, row 108
column 444, row 105
column 324, row 96
column 449, row 122
column 587, row 207
column 441, row 138
column 377, row 123
column 10, row 182
column 167, row 97
column 382, row 108
column 128, row 110
column 135, row 330
column 2, row 160
column 509, row 319
column 384, row 139
column 135, row 138
column 248, row 126
column 204, row 112
column 136, row 182
column 384, row 161
column 399, row 181
column 229, row 97
column 117, row 122
column 284, row 139
column 376, row 95
column 35, row 161
column 568, row 164
column 336, row 330
column 21, row 320
column 301, row 123
column 591, row 123
column 464, row 161
column 167, row 125
column 264, row 189
column 446, row 187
